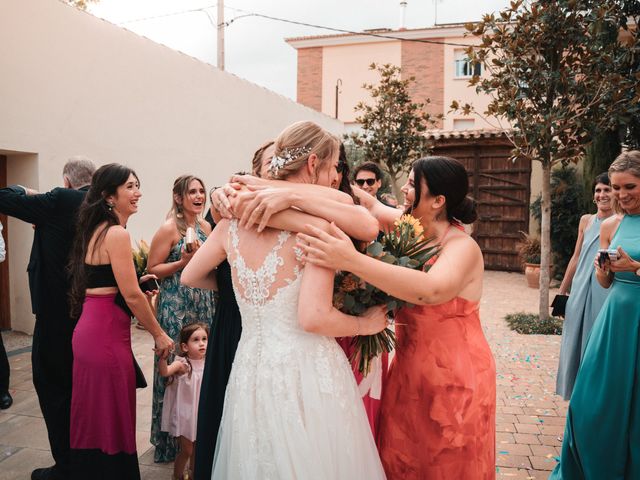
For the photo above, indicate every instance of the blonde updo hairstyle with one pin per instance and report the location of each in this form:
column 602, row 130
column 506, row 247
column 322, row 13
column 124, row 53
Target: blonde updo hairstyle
column 626, row 162
column 311, row 139
column 180, row 191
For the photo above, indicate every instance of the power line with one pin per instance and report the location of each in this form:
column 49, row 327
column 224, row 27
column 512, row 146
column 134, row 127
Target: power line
column 181, row 12
column 340, row 30
column 246, row 14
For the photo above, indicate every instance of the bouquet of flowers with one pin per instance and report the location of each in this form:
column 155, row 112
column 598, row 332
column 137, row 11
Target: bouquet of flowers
column 140, row 257
column 404, row 245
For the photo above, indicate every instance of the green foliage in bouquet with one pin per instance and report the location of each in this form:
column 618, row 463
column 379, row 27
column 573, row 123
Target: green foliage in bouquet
column 140, row 257
column 405, row 246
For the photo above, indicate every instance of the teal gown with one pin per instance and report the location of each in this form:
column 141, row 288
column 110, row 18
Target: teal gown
column 583, row 307
column 602, row 433
column 177, row 306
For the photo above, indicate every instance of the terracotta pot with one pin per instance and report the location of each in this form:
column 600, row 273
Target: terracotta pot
column 532, row 274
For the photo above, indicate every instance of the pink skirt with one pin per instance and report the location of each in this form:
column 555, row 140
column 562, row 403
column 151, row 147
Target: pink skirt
column 103, row 401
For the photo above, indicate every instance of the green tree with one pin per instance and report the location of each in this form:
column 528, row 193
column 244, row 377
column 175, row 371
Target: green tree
column 555, row 80
column 393, row 128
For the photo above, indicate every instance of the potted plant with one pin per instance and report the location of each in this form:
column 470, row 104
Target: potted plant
column 529, row 253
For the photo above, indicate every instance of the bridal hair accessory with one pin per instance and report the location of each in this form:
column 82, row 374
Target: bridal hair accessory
column 285, row 157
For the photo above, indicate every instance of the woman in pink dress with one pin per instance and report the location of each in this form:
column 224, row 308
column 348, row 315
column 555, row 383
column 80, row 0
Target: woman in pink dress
column 437, row 418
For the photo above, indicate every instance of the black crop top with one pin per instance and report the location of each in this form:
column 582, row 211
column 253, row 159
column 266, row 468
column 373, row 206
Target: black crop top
column 100, row 276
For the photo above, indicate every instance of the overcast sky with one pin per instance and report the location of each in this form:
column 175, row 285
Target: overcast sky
column 255, row 47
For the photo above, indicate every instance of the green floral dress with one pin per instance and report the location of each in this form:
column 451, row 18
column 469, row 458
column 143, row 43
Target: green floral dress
column 177, row 306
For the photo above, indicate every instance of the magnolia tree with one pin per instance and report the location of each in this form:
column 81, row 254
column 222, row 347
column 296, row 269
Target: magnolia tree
column 393, row 127
column 554, row 81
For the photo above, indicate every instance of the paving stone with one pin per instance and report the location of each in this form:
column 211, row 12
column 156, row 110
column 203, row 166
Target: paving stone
column 513, row 449
column 527, row 428
column 505, row 427
column 543, row 463
column 514, row 461
column 527, row 438
column 550, row 440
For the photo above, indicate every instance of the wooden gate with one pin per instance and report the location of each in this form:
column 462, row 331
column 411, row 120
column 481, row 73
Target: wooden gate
column 501, row 187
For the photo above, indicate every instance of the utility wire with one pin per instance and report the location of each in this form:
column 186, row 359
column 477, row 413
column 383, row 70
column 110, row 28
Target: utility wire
column 246, row 13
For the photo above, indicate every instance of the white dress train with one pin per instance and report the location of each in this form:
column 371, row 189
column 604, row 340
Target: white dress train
column 292, row 408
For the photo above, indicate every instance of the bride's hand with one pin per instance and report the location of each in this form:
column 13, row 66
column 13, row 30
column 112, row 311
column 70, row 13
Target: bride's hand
column 220, row 199
column 264, row 203
column 373, row 320
column 333, row 250
column 250, row 180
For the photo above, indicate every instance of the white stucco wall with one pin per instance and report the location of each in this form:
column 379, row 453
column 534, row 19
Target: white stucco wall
column 73, row 84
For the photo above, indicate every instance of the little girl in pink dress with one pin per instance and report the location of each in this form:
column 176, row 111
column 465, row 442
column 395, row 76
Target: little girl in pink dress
column 180, row 409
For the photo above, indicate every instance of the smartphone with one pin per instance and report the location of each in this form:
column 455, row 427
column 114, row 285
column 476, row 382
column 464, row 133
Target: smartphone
column 150, row 285
column 606, row 255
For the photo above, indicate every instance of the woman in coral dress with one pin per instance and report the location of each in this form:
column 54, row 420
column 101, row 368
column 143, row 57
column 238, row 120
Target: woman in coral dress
column 437, row 418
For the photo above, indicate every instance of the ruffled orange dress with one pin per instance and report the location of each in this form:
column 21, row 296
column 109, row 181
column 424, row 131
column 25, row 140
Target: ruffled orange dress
column 437, row 417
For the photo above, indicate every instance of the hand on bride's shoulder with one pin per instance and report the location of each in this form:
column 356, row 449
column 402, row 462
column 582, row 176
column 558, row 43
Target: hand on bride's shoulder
column 373, row 320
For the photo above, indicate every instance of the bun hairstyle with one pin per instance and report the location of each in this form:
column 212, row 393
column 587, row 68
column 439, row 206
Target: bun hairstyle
column 603, row 178
column 294, row 146
column 256, row 162
column 448, row 177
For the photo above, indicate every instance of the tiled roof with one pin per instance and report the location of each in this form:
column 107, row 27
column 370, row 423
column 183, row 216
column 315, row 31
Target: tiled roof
column 464, row 134
column 378, row 31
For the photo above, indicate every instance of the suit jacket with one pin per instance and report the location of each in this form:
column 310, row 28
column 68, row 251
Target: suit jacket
column 54, row 216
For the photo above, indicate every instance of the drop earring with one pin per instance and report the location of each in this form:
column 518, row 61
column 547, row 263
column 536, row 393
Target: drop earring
column 179, row 212
column 110, row 206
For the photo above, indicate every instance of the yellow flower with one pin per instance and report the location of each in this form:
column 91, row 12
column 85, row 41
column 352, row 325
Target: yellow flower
column 413, row 222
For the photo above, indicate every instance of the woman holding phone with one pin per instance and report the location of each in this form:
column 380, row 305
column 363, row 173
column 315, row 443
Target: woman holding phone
column 602, row 432
column 171, row 249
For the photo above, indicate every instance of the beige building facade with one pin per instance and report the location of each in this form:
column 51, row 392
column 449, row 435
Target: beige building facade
column 72, row 84
column 333, row 68
column 434, row 56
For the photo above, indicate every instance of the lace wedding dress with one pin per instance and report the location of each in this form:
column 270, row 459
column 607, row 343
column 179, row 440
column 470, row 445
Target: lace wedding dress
column 292, row 409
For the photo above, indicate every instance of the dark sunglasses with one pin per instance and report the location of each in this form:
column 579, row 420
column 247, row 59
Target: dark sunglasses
column 368, row 181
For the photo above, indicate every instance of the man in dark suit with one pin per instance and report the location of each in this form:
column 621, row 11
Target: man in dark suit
column 53, row 216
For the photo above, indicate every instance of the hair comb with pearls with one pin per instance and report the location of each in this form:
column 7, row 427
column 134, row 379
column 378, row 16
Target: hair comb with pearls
column 286, row 156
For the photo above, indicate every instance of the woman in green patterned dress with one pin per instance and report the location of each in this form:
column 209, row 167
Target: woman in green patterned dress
column 602, row 434
column 177, row 305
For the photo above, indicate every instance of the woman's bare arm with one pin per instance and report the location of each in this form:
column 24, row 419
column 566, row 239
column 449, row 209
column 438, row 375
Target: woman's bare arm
column 567, row 280
column 317, row 314
column 201, row 272
column 118, row 247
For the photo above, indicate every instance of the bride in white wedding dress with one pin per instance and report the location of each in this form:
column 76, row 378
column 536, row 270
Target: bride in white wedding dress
column 292, row 408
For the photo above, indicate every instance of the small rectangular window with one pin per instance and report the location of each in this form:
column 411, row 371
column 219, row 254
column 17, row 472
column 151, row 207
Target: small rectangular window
column 464, row 67
column 463, row 123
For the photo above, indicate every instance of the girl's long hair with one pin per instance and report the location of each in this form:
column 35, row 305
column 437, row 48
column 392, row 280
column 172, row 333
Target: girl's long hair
column 93, row 213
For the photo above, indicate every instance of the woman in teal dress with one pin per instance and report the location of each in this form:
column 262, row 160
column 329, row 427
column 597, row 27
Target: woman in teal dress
column 602, row 433
column 587, row 295
column 177, row 305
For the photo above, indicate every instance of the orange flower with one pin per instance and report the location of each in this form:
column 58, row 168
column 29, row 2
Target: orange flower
column 349, row 284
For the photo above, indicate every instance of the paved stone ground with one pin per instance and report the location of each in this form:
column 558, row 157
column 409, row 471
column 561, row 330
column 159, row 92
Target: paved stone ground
column 530, row 417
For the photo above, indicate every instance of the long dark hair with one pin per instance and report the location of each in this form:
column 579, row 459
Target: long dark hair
column 93, row 212
column 345, row 182
column 446, row 176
